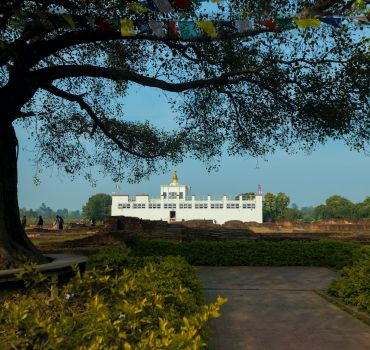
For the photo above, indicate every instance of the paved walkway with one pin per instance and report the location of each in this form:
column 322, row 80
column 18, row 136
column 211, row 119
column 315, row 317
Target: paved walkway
column 276, row 308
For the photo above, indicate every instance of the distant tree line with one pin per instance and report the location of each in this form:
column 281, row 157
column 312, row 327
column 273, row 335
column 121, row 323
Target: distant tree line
column 335, row 207
column 97, row 207
column 47, row 213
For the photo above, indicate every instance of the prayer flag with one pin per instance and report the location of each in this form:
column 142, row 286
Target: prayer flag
column 81, row 22
column 361, row 18
column 172, row 28
column 228, row 25
column 163, row 6
column 188, row 29
column 268, row 23
column 135, row 7
column 243, row 26
column 116, row 23
column 91, row 21
column 149, row 4
column 143, row 27
column 103, row 24
column 307, row 22
column 208, row 27
column 182, row 4
column 70, row 21
column 333, row 21
column 157, row 28
column 285, row 23
column 127, row 27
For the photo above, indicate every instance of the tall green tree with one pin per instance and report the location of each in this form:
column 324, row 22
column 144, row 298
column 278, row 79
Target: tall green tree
column 275, row 206
column 65, row 65
column 269, row 206
column 98, row 206
column 363, row 209
column 281, row 204
column 336, row 207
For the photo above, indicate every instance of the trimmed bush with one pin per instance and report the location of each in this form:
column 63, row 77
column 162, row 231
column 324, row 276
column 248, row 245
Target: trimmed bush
column 155, row 304
column 354, row 287
column 334, row 254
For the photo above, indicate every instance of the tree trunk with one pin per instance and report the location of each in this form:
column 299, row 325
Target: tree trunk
column 15, row 246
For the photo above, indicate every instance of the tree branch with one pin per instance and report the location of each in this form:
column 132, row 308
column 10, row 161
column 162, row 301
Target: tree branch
column 86, row 107
column 47, row 75
column 39, row 50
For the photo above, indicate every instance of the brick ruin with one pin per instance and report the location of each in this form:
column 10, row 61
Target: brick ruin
column 206, row 230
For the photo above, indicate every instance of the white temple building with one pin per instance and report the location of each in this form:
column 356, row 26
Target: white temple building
column 176, row 203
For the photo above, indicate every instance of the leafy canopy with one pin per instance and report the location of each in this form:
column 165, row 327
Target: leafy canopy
column 98, row 206
column 247, row 94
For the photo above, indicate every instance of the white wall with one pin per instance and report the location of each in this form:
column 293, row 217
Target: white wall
column 220, row 215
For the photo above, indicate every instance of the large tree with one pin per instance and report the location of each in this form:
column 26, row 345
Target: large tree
column 97, row 207
column 65, row 65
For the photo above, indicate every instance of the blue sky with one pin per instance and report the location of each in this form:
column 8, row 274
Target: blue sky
column 307, row 179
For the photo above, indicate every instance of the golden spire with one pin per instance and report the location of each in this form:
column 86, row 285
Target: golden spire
column 174, row 177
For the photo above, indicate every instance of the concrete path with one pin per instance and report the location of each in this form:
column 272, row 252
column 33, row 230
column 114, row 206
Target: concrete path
column 276, row 308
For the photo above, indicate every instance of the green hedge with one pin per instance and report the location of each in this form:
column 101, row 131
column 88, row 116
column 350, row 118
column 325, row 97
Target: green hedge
column 334, row 254
column 353, row 259
column 139, row 304
column 354, row 287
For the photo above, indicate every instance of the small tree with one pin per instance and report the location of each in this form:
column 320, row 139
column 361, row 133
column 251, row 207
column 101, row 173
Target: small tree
column 246, row 196
column 98, row 206
column 282, row 201
column 269, row 206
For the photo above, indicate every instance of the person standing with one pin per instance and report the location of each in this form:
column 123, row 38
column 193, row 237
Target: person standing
column 61, row 223
column 24, row 221
column 56, row 223
column 40, row 222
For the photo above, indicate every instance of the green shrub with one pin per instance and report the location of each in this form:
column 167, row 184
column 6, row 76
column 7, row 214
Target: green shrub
column 156, row 306
column 354, row 287
column 114, row 257
column 333, row 254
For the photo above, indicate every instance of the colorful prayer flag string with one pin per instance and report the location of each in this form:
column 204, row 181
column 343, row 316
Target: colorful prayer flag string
column 190, row 29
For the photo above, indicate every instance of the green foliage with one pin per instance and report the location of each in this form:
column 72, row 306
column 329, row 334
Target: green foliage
column 48, row 213
column 293, row 214
column 256, row 108
column 275, row 206
column 363, row 209
column 254, row 253
column 335, row 207
column 282, row 201
column 98, row 206
column 354, row 287
column 269, row 206
column 156, row 306
column 246, row 196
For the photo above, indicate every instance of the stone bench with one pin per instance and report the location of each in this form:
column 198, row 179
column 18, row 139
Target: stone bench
column 61, row 266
